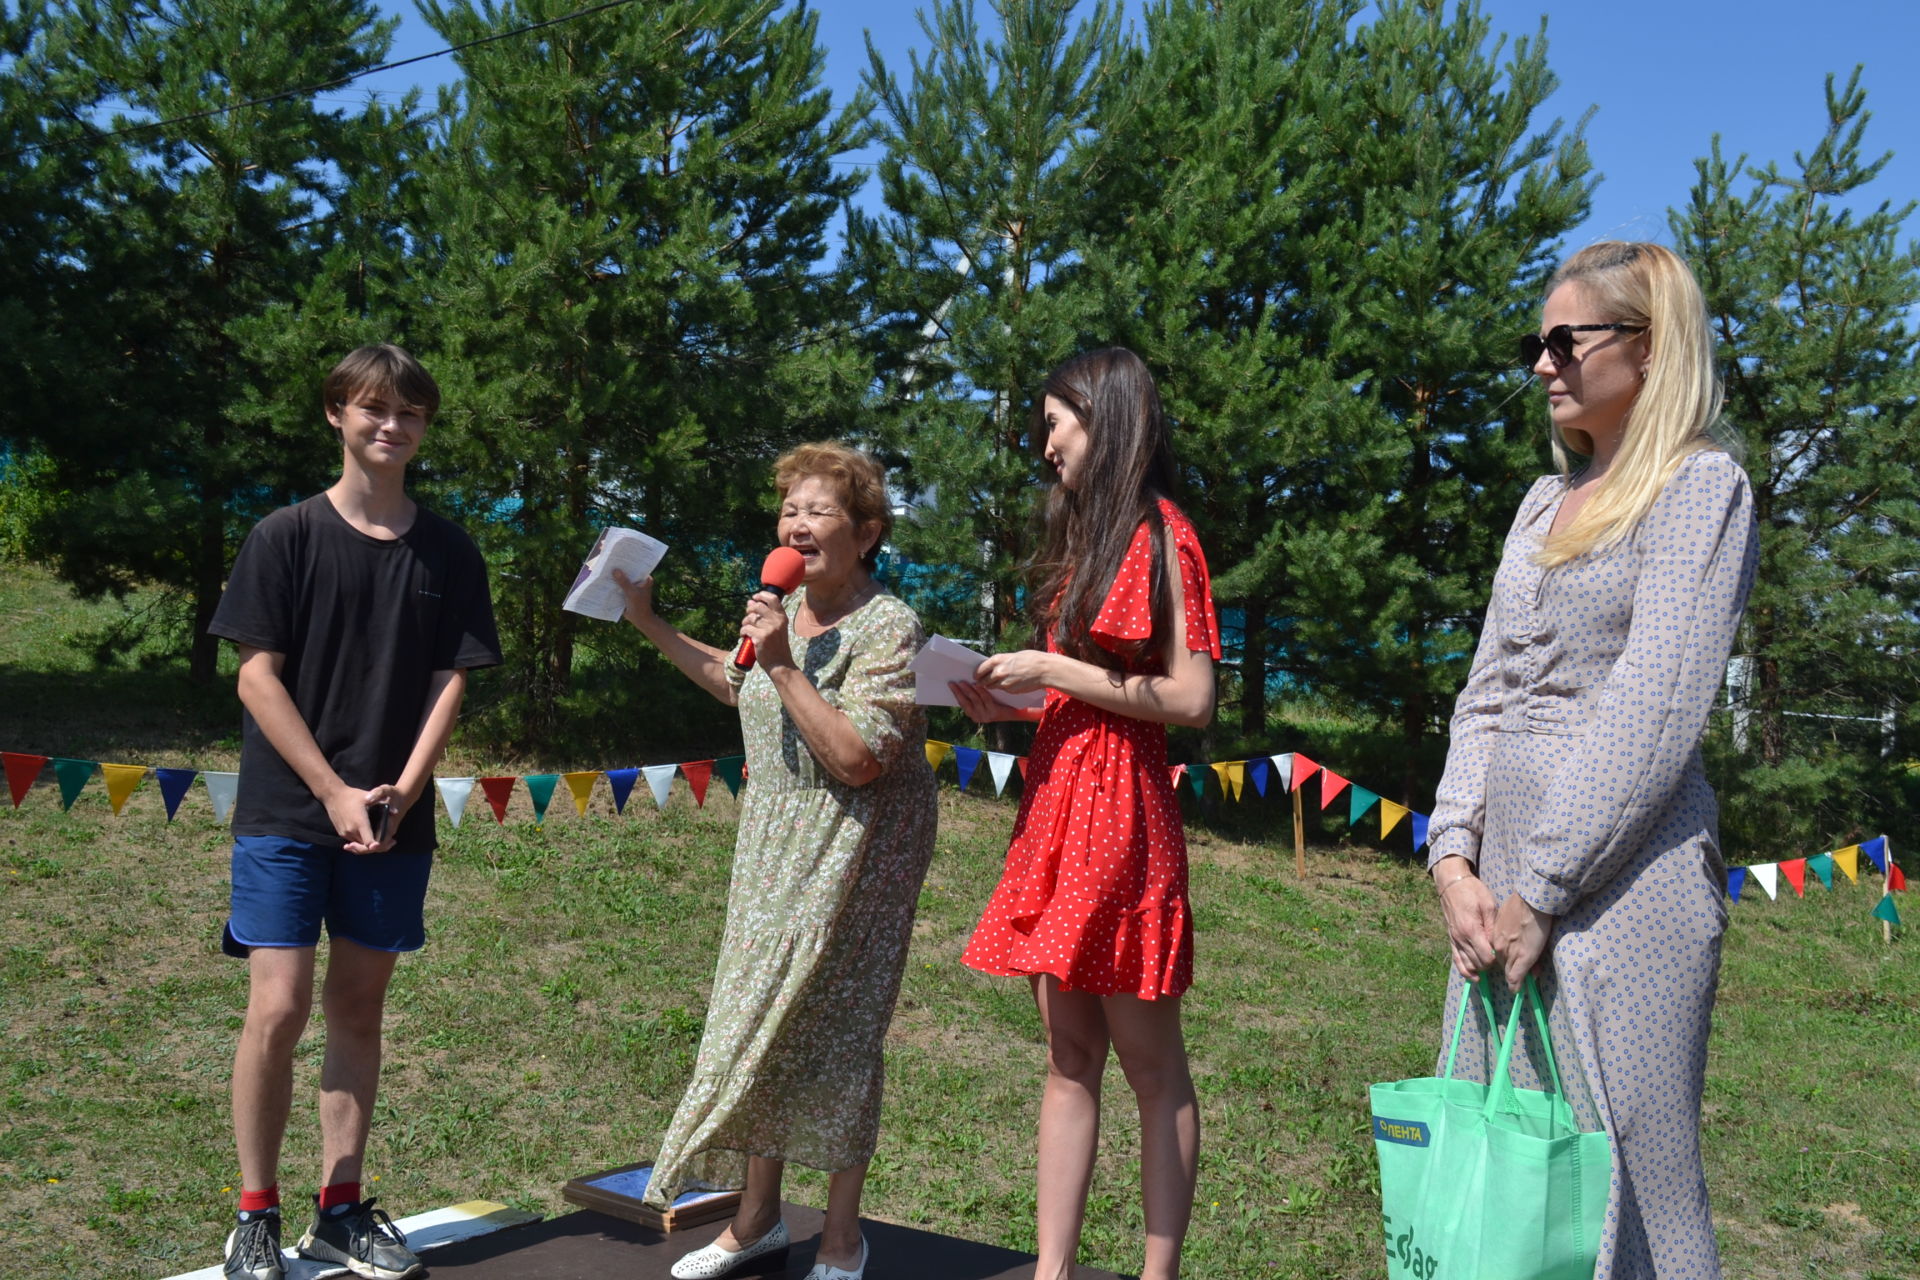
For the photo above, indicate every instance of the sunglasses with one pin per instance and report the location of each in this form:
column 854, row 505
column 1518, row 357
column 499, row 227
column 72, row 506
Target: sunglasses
column 1558, row 341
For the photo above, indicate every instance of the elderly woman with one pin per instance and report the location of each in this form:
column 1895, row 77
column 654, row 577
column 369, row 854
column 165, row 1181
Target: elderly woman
column 836, row 829
column 1575, row 831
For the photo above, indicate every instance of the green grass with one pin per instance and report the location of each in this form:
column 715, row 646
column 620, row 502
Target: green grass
column 552, row 1019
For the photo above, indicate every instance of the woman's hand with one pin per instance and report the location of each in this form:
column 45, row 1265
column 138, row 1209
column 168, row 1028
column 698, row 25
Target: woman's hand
column 980, row 705
column 1469, row 909
column 1022, row 671
column 639, row 598
column 1520, row 937
column 766, row 625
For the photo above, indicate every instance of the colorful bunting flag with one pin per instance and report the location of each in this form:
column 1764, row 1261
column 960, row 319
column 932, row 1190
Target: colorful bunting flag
column 1896, row 878
column 1283, row 770
column 498, row 791
column 1175, row 772
column 698, row 774
column 1822, row 865
column 1848, row 860
column 121, row 780
column 660, row 781
column 731, row 770
column 1257, row 770
column 454, row 793
column 1767, row 874
column 22, row 769
column 965, row 761
column 1331, row 785
column 72, row 776
column 1795, row 870
column 1419, row 830
column 540, row 787
column 936, row 752
column 1886, row 910
column 1362, row 801
column 221, row 790
column 1021, row 762
column 1390, row 815
column 621, row 780
column 173, row 787
column 1736, row 879
column 1197, row 779
column 999, row 764
column 1303, row 769
column 1876, row 851
column 580, row 783
column 1229, row 785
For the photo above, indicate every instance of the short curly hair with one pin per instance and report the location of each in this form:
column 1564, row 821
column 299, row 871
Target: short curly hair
column 859, row 477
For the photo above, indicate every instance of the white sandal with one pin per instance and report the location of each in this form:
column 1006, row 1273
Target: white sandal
column 821, row 1271
column 713, row 1261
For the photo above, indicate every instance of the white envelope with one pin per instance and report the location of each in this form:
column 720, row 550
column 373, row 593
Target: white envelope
column 943, row 660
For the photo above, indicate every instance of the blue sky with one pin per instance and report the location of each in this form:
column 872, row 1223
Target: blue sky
column 1664, row 75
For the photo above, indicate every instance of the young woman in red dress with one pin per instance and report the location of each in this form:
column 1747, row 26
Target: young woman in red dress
column 1092, row 905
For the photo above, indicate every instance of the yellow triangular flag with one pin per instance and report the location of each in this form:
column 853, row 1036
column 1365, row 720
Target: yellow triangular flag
column 937, row 751
column 581, row 784
column 121, row 780
column 1237, row 776
column 1848, row 860
column 1390, row 815
column 1222, row 770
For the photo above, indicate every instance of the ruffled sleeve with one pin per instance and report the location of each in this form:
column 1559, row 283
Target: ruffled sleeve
column 1126, row 618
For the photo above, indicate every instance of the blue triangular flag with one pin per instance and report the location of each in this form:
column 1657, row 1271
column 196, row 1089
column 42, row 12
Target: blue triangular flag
column 1876, row 851
column 173, row 785
column 1257, row 770
column 965, row 761
column 1420, row 830
column 1736, row 881
column 621, row 780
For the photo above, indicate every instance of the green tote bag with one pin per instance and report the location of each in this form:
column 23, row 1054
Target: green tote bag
column 1489, row 1182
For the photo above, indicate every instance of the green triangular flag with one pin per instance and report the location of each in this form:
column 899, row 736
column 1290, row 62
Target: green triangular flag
column 1362, row 801
column 73, row 775
column 540, row 787
column 1886, row 910
column 1822, row 866
column 1197, row 779
column 731, row 770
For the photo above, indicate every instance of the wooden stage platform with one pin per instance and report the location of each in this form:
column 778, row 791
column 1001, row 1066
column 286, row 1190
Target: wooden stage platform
column 585, row 1245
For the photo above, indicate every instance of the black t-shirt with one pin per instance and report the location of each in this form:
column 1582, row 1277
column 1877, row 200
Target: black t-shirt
column 363, row 623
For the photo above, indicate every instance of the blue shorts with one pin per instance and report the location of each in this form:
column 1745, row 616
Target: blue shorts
column 283, row 890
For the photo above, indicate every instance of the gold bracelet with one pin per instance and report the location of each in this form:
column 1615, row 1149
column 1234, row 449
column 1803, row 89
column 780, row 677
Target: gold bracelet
column 1442, row 890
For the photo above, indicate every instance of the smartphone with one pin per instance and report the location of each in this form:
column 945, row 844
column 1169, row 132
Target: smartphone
column 380, row 822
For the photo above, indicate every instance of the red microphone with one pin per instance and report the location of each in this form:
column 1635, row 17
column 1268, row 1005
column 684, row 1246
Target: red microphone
column 779, row 573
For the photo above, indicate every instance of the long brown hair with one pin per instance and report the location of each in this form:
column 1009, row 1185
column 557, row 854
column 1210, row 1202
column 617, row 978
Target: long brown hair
column 1088, row 528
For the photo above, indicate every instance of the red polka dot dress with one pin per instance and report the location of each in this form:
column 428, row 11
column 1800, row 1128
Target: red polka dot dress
column 1094, row 890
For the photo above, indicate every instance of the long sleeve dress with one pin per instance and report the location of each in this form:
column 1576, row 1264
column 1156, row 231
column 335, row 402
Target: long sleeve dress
column 819, row 914
column 1094, row 889
column 1574, row 779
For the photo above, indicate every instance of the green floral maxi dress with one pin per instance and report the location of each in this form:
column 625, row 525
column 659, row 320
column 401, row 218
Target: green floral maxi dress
column 825, row 881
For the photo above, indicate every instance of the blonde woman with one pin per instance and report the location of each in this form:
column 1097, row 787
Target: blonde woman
column 1575, row 835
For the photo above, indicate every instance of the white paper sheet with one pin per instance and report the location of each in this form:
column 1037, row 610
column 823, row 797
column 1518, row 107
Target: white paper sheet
column 594, row 592
column 943, row 660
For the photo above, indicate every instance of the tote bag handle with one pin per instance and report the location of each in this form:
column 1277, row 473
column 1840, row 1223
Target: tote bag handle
column 1485, row 987
column 1501, row 1093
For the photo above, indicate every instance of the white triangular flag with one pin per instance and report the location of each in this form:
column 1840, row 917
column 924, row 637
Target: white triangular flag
column 660, row 778
column 1768, row 874
column 1283, row 765
column 1000, row 764
column 453, row 794
column 221, row 789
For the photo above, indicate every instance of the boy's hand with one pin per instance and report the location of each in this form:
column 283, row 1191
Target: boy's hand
column 347, row 807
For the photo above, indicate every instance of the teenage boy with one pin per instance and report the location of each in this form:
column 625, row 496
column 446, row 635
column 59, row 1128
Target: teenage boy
column 358, row 615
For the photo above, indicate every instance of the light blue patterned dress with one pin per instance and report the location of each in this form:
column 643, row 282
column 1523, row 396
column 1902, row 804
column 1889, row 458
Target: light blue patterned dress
column 1574, row 778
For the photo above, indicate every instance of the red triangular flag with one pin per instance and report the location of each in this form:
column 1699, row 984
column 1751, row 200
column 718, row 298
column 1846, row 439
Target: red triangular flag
column 21, row 771
column 499, row 791
column 1896, row 878
column 1303, row 769
column 698, row 774
column 1331, row 785
column 1795, row 870
column 1175, row 772
column 1022, row 762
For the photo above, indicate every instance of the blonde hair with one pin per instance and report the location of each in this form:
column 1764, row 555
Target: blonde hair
column 1675, row 413
column 861, row 480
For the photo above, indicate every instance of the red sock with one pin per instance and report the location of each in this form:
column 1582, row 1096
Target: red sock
column 255, row 1201
column 338, row 1194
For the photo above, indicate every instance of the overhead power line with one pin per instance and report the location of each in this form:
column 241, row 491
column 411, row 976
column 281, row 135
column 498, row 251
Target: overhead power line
column 309, row 90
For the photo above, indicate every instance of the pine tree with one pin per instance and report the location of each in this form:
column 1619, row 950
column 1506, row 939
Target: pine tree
column 1813, row 306
column 991, row 150
column 621, row 238
column 176, row 432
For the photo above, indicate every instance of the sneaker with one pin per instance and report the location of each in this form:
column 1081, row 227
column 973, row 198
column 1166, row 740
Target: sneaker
column 253, row 1250
column 363, row 1240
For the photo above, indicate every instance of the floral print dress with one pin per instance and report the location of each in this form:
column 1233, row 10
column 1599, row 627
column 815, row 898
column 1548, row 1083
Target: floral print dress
column 825, row 881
